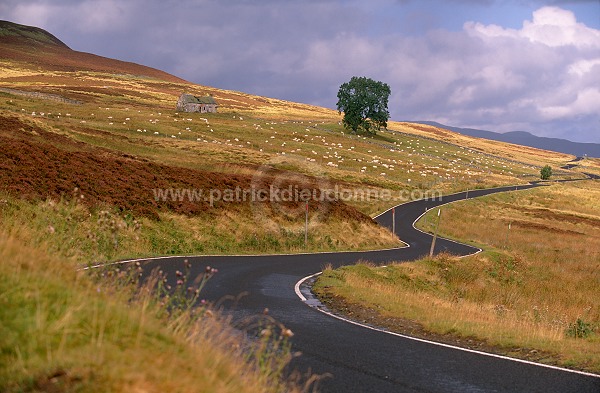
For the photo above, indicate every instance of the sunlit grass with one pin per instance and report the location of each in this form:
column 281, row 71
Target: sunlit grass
column 529, row 289
column 62, row 331
column 72, row 230
column 254, row 130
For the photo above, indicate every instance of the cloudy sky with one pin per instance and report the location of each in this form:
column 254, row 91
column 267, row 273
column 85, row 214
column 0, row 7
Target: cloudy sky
column 500, row 65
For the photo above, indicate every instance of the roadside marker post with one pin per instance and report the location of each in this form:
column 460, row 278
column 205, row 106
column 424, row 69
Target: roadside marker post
column 306, row 227
column 437, row 226
column 507, row 232
column 394, row 221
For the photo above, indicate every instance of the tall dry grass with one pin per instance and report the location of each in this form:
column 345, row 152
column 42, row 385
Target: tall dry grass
column 532, row 288
column 553, row 240
column 83, row 234
column 63, row 331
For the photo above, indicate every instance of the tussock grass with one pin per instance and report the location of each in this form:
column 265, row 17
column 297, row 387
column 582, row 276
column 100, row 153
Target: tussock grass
column 75, row 231
column 63, row 331
column 531, row 289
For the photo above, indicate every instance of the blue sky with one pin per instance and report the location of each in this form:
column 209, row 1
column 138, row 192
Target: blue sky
column 507, row 65
column 451, row 15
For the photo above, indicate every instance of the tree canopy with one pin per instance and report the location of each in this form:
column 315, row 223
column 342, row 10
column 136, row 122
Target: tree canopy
column 364, row 103
column 546, row 172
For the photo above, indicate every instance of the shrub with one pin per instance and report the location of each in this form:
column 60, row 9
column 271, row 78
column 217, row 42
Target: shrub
column 546, row 172
column 579, row 329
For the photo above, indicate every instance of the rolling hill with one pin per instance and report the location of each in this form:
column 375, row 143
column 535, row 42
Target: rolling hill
column 97, row 165
column 109, row 128
column 527, row 139
column 38, row 47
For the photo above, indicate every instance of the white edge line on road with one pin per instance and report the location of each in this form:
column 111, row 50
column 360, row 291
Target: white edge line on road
column 303, row 298
column 297, row 286
column 406, row 245
column 457, row 193
column 450, row 240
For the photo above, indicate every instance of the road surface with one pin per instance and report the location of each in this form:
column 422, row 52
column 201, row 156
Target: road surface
column 359, row 359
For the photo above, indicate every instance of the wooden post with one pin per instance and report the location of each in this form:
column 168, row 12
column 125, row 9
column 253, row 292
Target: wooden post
column 437, row 225
column 306, row 227
column 394, row 221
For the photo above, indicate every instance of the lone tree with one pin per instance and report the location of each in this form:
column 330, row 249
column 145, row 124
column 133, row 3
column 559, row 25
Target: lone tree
column 546, row 172
column 365, row 104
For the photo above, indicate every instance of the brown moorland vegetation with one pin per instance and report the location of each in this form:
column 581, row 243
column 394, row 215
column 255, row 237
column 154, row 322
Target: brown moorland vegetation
column 37, row 164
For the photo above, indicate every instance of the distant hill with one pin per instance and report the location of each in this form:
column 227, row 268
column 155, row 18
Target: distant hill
column 36, row 46
column 17, row 33
column 526, row 139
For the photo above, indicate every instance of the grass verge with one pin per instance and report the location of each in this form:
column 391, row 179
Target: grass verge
column 531, row 294
column 85, row 234
column 63, row 331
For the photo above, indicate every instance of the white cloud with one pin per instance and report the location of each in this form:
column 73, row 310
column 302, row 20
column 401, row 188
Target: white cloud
column 584, row 67
column 551, row 26
column 584, row 103
column 547, row 70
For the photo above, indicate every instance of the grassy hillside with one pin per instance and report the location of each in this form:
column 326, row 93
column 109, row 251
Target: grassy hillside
column 63, row 332
column 97, row 165
column 28, row 36
column 531, row 294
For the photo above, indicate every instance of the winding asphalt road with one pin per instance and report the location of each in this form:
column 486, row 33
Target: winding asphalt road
column 359, row 359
